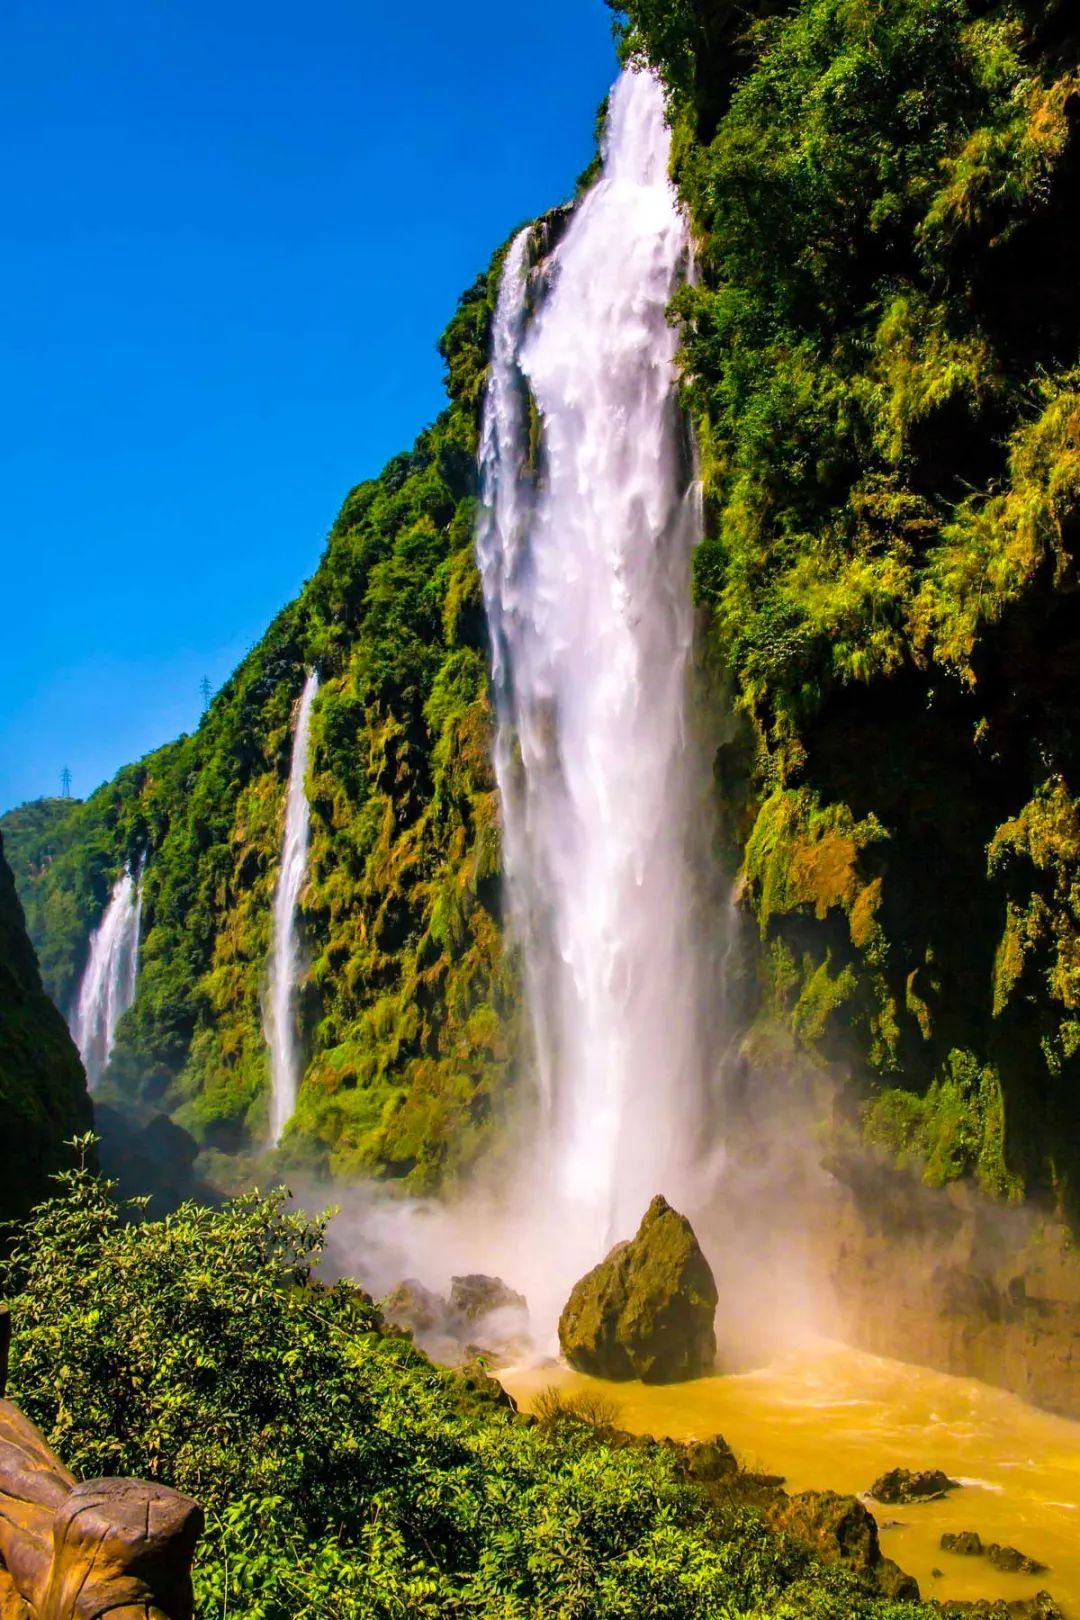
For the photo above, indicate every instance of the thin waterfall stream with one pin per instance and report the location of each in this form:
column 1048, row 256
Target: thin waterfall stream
column 107, row 986
column 280, row 1009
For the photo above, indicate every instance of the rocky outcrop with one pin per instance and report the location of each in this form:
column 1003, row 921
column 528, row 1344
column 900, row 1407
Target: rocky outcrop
column 647, row 1310
column 43, row 1099
column 483, row 1320
column 946, row 1278
column 839, row 1529
column 1041, row 1607
column 969, row 1544
column 474, row 1297
column 901, row 1485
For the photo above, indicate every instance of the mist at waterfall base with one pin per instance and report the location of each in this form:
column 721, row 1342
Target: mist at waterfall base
column 614, row 899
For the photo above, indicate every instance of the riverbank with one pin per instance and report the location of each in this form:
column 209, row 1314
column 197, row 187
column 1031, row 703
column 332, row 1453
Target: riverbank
column 834, row 1418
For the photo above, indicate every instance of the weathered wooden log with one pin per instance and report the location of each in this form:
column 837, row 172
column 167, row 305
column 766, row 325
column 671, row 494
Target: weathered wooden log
column 115, row 1547
column 122, row 1545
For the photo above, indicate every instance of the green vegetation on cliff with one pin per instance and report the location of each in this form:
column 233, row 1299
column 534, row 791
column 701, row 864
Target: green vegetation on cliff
column 43, row 1100
column 882, row 355
column 342, row 1473
column 881, row 349
column 406, row 1002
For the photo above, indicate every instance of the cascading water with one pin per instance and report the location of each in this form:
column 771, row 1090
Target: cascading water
column 280, row 1011
column 107, row 987
column 585, row 565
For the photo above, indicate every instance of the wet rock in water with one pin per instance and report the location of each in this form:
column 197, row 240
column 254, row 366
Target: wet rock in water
column 966, row 1542
column 1012, row 1561
column 647, row 1310
column 901, row 1485
column 1041, row 1607
column 477, row 1296
column 1008, row 1559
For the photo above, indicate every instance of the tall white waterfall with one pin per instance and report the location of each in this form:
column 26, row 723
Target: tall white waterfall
column 585, row 563
column 280, row 1011
column 107, row 987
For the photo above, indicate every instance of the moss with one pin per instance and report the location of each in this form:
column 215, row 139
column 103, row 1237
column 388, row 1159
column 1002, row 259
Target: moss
column 804, row 856
column 879, row 354
column 957, row 1128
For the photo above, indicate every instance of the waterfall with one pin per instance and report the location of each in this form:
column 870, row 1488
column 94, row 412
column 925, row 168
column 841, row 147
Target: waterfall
column 585, row 562
column 280, row 1012
column 107, row 987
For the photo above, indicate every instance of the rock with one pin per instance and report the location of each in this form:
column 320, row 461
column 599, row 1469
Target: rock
column 901, row 1485
column 477, row 1381
column 477, row 1296
column 839, row 1529
column 967, row 1542
column 647, row 1310
column 1041, row 1607
column 1012, row 1561
column 708, row 1460
column 411, row 1305
column 1009, row 1559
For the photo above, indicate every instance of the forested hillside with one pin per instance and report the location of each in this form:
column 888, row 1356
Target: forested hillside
column 406, row 1004
column 43, row 1101
column 881, row 346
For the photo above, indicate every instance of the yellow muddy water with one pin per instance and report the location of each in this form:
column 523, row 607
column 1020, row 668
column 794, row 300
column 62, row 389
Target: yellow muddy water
column 834, row 1418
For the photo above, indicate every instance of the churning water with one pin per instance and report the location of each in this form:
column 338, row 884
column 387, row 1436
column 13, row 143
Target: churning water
column 584, row 548
column 280, row 1010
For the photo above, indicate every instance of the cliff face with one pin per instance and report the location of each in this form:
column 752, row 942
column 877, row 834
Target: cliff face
column 405, row 1000
column 43, row 1100
column 881, row 351
column 881, row 348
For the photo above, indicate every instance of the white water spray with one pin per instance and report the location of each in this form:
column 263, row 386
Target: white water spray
column 280, row 1011
column 107, row 987
column 586, row 578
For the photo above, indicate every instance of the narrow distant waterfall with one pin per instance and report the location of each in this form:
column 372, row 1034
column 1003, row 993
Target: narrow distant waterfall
column 586, row 572
column 280, row 1014
column 107, row 987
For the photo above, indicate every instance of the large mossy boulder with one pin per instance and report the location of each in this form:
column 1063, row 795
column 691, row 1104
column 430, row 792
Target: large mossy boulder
column 647, row 1310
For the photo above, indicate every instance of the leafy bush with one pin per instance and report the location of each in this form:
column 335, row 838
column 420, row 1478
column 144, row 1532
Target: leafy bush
column 343, row 1474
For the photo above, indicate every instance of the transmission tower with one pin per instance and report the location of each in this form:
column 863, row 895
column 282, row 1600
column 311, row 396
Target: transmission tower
column 65, row 783
column 206, row 689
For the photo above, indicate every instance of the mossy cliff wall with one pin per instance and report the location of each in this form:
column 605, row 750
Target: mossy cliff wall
column 882, row 350
column 882, row 355
column 43, row 1101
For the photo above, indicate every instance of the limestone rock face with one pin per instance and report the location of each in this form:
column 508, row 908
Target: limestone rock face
column 647, row 1310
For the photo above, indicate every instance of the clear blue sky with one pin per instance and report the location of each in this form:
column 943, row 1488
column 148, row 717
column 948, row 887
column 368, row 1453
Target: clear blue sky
column 232, row 233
